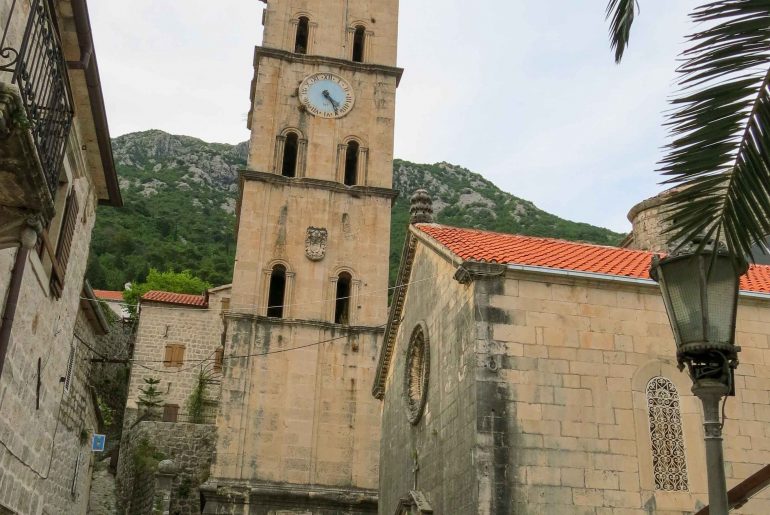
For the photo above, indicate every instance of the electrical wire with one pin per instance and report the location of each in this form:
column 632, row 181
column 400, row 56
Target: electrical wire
column 199, row 362
column 258, row 307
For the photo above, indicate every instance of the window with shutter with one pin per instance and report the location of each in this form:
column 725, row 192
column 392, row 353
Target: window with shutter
column 170, row 413
column 70, row 369
column 174, row 355
column 218, row 358
column 64, row 246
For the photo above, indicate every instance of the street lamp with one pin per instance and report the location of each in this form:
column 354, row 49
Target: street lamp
column 700, row 292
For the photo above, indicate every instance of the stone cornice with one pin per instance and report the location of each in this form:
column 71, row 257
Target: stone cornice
column 291, row 57
column 394, row 317
column 356, row 329
column 307, row 182
column 334, row 497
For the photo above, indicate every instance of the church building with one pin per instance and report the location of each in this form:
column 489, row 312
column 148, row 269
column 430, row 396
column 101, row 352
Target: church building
column 530, row 375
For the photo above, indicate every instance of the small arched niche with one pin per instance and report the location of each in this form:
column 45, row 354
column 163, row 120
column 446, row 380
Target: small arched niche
column 359, row 44
column 352, row 163
column 290, row 155
column 342, row 298
column 276, row 294
column 302, row 39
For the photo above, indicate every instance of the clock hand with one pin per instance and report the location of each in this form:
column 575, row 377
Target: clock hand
column 335, row 104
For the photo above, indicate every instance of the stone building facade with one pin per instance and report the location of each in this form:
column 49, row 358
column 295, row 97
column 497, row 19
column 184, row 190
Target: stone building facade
column 297, row 430
column 178, row 336
column 54, row 169
column 538, row 376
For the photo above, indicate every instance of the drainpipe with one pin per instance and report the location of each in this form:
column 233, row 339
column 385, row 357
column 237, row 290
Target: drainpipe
column 14, row 288
column 28, row 240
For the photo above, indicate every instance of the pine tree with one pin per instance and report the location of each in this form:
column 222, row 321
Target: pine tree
column 150, row 397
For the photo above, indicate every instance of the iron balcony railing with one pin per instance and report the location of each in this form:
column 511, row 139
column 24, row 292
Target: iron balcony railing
column 37, row 67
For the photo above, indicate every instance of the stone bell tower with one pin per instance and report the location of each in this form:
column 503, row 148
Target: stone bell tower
column 298, row 431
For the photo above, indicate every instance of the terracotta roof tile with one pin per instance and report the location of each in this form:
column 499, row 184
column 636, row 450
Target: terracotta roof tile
column 181, row 299
column 109, row 295
column 477, row 245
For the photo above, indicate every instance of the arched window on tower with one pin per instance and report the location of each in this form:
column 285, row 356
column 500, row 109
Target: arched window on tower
column 303, row 35
column 669, row 463
column 276, row 292
column 351, row 163
column 342, row 304
column 359, row 43
column 290, row 154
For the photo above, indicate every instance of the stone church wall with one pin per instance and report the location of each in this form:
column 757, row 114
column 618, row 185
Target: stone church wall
column 442, row 445
column 577, row 356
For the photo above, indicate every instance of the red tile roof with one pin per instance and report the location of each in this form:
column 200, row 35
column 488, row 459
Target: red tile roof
column 181, row 299
column 109, row 295
column 477, row 245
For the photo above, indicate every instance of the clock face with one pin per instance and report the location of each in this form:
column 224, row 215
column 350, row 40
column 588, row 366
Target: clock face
column 326, row 95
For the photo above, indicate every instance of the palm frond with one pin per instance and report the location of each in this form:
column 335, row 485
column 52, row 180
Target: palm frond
column 621, row 15
column 719, row 155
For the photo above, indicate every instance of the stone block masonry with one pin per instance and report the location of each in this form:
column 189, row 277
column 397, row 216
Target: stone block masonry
column 190, row 446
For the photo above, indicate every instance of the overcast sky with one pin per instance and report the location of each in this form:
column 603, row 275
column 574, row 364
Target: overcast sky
column 524, row 92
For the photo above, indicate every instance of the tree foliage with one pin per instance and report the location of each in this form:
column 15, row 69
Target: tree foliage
column 196, row 403
column 150, row 397
column 719, row 154
column 170, row 281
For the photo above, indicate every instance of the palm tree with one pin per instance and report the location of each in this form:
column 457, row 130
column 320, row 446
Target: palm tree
column 719, row 154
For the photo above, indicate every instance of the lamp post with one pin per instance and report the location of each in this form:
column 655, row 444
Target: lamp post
column 700, row 292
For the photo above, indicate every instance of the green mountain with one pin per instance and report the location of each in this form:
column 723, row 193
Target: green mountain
column 179, row 194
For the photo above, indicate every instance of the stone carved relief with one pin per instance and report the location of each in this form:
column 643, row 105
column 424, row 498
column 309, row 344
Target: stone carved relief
column 315, row 243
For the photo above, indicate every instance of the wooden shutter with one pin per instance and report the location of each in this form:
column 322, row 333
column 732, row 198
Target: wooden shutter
column 218, row 355
column 70, row 367
column 168, row 357
column 179, row 355
column 170, row 413
column 64, row 246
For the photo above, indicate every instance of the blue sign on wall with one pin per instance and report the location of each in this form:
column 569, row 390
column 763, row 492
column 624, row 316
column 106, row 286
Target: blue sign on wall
column 97, row 443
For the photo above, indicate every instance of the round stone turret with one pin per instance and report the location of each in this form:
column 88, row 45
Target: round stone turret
column 422, row 208
column 649, row 225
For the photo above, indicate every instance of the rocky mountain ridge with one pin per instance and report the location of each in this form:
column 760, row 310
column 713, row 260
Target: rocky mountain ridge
column 180, row 193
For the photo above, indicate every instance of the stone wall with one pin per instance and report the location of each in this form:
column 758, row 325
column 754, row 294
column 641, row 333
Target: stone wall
column 296, row 413
column 577, row 356
column 441, row 446
column 40, row 432
column 190, row 446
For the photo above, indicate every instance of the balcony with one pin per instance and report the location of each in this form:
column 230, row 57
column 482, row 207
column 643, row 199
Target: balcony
column 36, row 113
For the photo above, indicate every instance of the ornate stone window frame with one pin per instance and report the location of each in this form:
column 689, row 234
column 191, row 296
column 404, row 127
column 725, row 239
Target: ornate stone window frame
column 417, row 373
column 692, row 431
column 355, row 291
column 280, row 145
column 368, row 36
column 362, row 175
column 669, row 459
column 288, row 296
column 294, row 25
